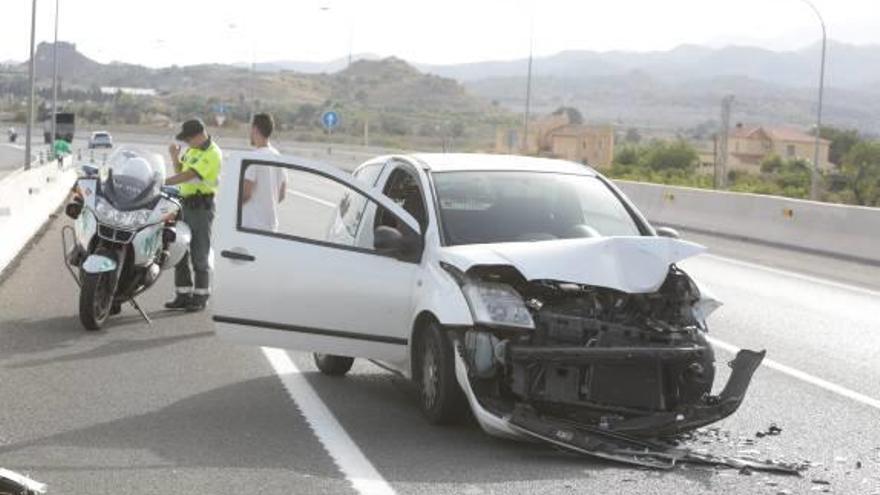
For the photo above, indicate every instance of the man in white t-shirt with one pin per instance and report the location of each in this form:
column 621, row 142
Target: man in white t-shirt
column 264, row 186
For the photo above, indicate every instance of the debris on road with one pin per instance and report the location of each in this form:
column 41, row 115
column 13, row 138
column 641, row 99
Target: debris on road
column 772, row 430
column 650, row 453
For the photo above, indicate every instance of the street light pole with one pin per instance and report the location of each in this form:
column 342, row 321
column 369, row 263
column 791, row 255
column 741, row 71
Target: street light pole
column 55, row 77
column 525, row 141
column 814, row 176
column 30, row 113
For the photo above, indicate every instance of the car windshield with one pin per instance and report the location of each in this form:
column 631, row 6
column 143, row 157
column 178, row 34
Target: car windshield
column 490, row 207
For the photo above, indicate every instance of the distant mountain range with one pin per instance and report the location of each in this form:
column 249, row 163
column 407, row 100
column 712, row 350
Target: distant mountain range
column 327, row 67
column 676, row 89
column 849, row 66
column 388, row 86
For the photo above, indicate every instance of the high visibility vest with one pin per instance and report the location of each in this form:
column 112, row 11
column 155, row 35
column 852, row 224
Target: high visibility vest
column 205, row 162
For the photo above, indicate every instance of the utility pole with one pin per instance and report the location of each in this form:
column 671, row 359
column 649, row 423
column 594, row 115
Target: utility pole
column 525, row 139
column 721, row 146
column 814, row 176
column 30, row 122
column 55, row 78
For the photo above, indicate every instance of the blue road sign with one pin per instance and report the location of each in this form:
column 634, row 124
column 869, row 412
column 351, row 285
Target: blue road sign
column 330, row 119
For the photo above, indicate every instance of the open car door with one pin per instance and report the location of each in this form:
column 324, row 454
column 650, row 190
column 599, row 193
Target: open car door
column 307, row 283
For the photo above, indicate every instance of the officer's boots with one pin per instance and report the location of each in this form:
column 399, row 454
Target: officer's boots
column 181, row 301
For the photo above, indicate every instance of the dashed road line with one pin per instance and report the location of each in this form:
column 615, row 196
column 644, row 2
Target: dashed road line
column 805, row 377
column 356, row 468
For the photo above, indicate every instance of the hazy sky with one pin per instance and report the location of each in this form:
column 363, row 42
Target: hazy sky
column 165, row 32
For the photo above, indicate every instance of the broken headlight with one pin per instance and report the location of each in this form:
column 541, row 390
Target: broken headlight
column 496, row 304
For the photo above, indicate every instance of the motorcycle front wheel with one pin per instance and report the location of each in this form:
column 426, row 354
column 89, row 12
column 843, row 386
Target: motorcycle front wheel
column 95, row 299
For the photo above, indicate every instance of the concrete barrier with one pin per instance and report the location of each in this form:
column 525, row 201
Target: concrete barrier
column 27, row 200
column 851, row 232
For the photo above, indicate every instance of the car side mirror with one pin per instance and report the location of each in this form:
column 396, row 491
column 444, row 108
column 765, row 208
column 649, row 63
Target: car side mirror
column 390, row 241
column 667, row 232
column 387, row 240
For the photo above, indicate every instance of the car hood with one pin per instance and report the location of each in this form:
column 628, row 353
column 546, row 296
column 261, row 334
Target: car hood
column 637, row 264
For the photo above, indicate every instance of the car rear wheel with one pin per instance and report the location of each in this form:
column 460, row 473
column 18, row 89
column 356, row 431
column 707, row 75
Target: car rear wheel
column 440, row 396
column 333, row 365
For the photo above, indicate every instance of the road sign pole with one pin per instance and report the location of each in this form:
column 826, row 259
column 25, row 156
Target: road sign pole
column 30, row 112
column 329, row 120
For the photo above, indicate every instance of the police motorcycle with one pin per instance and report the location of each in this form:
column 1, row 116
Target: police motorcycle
column 127, row 230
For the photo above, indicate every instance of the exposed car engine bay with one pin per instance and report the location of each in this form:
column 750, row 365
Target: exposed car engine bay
column 601, row 371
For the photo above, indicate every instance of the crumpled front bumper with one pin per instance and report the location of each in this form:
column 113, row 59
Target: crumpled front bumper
column 622, row 443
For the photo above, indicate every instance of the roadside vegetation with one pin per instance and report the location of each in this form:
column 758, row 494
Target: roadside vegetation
column 854, row 180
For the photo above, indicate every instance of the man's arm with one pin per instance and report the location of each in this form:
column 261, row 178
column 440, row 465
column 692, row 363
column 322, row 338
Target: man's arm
column 247, row 190
column 174, row 151
column 181, row 178
column 282, row 191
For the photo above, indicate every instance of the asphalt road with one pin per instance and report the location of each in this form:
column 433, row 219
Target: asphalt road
column 167, row 408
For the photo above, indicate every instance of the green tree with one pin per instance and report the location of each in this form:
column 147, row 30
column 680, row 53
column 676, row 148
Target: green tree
column 574, row 115
column 861, row 167
column 842, row 140
column 457, row 129
column 772, row 164
column 664, row 156
column 628, row 156
column 632, row 136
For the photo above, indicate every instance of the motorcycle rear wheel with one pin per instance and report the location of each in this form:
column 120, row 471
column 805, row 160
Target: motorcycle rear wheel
column 95, row 299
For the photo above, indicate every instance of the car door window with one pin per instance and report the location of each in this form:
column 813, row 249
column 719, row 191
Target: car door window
column 403, row 187
column 310, row 207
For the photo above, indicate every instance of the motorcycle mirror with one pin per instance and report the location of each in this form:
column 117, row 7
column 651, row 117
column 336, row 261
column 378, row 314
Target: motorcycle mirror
column 73, row 210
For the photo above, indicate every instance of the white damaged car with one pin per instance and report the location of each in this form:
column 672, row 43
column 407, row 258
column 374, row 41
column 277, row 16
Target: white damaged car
column 530, row 291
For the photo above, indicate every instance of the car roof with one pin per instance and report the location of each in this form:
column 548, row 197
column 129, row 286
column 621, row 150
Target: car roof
column 100, row 132
column 463, row 162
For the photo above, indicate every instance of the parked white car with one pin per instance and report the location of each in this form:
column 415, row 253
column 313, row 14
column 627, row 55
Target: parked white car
column 530, row 290
column 100, row 139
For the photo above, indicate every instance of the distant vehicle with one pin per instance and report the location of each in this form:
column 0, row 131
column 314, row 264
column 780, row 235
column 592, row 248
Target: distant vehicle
column 100, row 139
column 65, row 127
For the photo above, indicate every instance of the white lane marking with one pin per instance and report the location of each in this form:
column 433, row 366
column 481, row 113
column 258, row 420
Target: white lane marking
column 312, row 198
column 345, row 453
column 799, row 276
column 806, row 377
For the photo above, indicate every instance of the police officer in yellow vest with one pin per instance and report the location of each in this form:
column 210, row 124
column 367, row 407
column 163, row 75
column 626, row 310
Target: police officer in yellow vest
column 197, row 173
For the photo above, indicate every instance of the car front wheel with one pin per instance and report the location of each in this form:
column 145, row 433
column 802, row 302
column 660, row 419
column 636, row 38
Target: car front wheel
column 440, row 396
column 333, row 365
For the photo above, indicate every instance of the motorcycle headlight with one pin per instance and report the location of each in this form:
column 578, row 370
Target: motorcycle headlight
column 107, row 214
column 494, row 303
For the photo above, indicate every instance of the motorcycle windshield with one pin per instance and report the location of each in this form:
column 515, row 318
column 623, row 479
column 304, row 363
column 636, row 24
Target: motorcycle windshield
column 134, row 178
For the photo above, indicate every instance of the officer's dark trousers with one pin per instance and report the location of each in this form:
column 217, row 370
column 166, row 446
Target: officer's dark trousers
column 200, row 218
